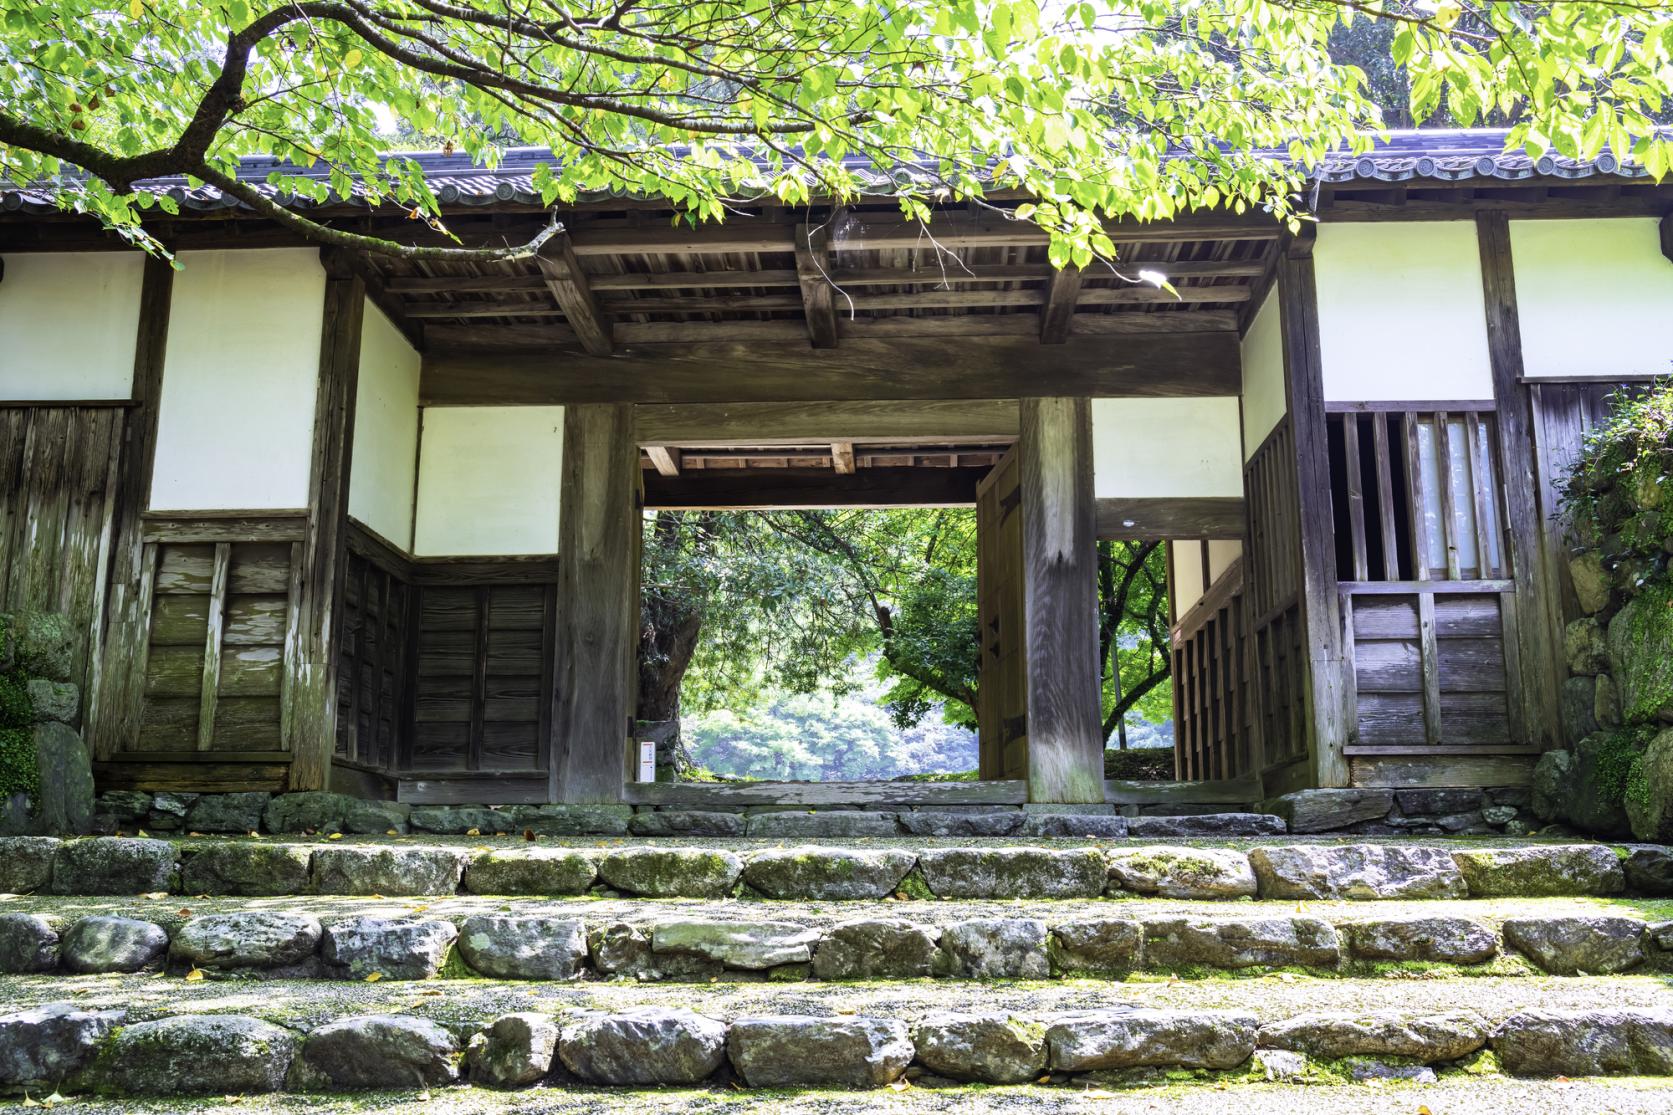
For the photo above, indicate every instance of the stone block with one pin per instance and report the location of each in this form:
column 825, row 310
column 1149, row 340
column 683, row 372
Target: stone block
column 1584, row 648
column 1306, row 811
column 1206, row 825
column 379, row 1051
column 826, row 823
column 1013, row 872
column 574, row 820
column 369, row 869
column 828, row 873
column 405, row 950
column 1571, row 946
column 250, row 942
column 516, row 1050
column 26, row 863
column 1421, row 1036
column 1538, row 872
column 1601, row 1042
column 1106, row 948
column 28, row 944
column 104, row 943
column 113, row 865
column 1593, row 584
column 996, row 948
column 252, row 869
column 988, row 1048
column 48, row 1046
column 1182, row 872
column 1421, row 938
column 1179, row 941
column 307, row 811
column 646, row 1047
column 1074, row 825
column 240, row 813
column 1144, row 1038
column 54, row 700
column 1356, row 871
column 460, row 820
column 686, row 822
column 527, row 946
column 1649, row 870
column 940, row 822
column 671, row 872
column 792, row 1052
column 751, row 946
column 877, row 948
column 548, row 871
column 220, row 1054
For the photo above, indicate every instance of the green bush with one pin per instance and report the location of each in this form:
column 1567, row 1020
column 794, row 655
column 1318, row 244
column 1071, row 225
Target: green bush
column 16, row 710
column 1619, row 493
column 1139, row 764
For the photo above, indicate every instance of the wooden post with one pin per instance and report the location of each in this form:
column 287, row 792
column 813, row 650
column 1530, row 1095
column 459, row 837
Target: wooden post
column 1304, row 391
column 116, row 697
column 598, row 604
column 1539, row 630
column 1060, row 602
column 310, row 684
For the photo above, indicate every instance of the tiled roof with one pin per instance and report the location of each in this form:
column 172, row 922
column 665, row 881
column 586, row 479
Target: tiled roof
column 1440, row 155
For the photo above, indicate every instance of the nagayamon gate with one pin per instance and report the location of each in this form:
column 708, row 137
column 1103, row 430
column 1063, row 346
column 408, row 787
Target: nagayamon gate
column 337, row 520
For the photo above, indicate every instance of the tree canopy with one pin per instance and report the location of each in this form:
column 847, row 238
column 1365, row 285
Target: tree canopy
column 1091, row 108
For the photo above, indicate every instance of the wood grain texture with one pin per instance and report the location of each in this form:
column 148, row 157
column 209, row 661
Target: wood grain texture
column 214, row 632
column 862, row 368
column 744, row 489
column 1060, row 601
column 1057, row 316
column 1471, row 771
column 1537, row 600
column 1171, row 518
column 597, row 605
column 1304, row 388
column 697, row 425
column 311, row 672
column 569, row 288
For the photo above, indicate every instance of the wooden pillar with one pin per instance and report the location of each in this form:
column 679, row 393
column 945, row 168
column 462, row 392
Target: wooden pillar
column 1538, row 628
column 1060, row 602
column 116, row 698
column 1326, row 716
column 598, row 604
column 309, row 704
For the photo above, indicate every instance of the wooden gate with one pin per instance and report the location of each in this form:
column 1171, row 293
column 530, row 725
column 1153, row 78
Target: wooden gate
column 1002, row 687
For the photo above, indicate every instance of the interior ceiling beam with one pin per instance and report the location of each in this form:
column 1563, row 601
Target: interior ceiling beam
column 876, row 368
column 714, row 425
column 813, row 263
column 1057, row 316
column 666, row 459
column 798, row 489
column 568, row 284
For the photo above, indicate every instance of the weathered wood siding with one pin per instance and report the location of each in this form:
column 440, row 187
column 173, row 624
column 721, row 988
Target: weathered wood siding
column 58, row 475
column 1002, row 691
column 1272, row 596
column 1214, row 699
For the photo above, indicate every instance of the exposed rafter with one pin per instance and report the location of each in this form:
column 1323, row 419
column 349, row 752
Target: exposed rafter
column 574, row 296
column 813, row 263
column 666, row 459
column 842, row 456
column 1057, row 316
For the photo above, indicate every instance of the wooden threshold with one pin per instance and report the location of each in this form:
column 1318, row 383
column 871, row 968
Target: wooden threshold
column 1225, row 791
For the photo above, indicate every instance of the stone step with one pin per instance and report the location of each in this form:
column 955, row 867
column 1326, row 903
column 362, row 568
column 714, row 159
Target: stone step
column 118, row 1039
column 740, row 940
column 1383, row 869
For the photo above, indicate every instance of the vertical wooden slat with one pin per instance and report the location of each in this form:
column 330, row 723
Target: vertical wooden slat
column 597, row 611
column 1350, row 668
column 210, row 692
column 1060, row 597
column 1479, row 494
column 293, row 642
column 1385, row 497
column 406, row 716
column 362, row 570
column 1356, row 495
column 1416, row 505
column 1442, row 425
column 1429, row 665
column 479, row 682
column 548, row 643
column 1539, row 620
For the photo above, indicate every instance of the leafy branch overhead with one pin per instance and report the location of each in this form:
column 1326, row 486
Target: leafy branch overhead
column 1092, row 109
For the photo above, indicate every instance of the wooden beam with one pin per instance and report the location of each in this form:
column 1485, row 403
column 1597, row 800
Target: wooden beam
column 864, row 369
column 1060, row 602
column 210, row 691
column 666, row 460
column 1057, row 317
column 1537, row 600
column 598, row 606
column 568, row 284
column 797, row 489
column 1325, row 717
column 812, row 275
column 310, row 684
column 1171, row 518
column 842, row 457
column 898, row 423
column 116, row 699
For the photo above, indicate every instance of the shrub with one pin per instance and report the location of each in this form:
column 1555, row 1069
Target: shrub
column 1619, row 493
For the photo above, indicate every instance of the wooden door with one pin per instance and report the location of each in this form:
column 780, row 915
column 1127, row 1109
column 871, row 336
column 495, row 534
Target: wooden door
column 1002, row 684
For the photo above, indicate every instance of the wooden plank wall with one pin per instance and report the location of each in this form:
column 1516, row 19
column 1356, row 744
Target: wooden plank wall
column 1002, row 695
column 1213, row 685
column 373, row 661
column 58, row 476
column 1272, row 595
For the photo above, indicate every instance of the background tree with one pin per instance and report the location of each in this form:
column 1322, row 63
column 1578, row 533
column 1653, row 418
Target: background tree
column 1095, row 109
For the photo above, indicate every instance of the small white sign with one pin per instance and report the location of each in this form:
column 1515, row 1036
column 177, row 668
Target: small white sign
column 647, row 760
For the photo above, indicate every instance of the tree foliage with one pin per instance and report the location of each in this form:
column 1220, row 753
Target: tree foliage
column 1094, row 108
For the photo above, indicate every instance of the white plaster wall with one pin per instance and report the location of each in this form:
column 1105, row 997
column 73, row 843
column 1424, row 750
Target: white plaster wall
column 235, row 425
column 1595, row 297
column 1185, row 567
column 68, row 323
column 1401, row 312
column 1166, row 447
column 1221, row 554
column 1263, row 375
column 381, row 483
column 488, row 481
